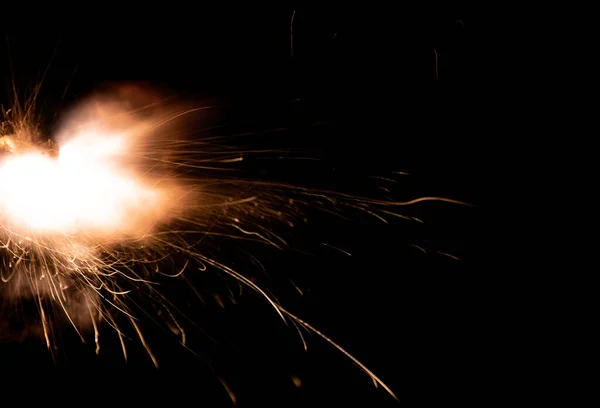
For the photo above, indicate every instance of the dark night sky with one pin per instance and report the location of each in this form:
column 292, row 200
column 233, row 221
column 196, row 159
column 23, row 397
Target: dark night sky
column 413, row 319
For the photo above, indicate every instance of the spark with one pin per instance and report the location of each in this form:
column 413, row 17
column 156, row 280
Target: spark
column 375, row 379
column 99, row 214
column 336, row 248
column 292, row 32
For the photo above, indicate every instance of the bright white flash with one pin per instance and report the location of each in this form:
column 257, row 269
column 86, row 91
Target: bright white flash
column 85, row 190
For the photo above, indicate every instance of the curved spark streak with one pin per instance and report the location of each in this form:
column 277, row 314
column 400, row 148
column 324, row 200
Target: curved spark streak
column 370, row 373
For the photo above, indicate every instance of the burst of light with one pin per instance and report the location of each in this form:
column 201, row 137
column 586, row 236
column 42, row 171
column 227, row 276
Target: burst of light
column 120, row 195
column 63, row 213
column 77, row 192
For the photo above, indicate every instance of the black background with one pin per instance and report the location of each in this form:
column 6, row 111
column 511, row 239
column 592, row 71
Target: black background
column 368, row 78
